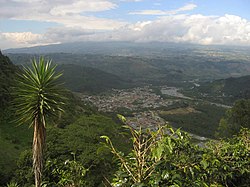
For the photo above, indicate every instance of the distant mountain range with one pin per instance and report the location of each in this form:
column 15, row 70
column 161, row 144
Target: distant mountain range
column 76, row 78
column 106, row 65
column 138, row 49
column 107, row 48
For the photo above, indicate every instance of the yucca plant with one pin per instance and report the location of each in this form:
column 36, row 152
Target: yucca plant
column 12, row 184
column 38, row 95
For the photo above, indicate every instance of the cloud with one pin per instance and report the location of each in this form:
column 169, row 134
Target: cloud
column 131, row 0
column 149, row 12
column 187, row 7
column 82, row 6
column 200, row 29
column 228, row 29
column 61, row 35
column 69, row 13
column 21, row 39
column 181, row 28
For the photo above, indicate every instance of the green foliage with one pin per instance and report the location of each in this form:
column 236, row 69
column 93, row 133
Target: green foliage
column 12, row 184
column 137, row 167
column 7, row 75
column 23, row 174
column 82, row 137
column 68, row 173
column 13, row 140
column 169, row 158
column 229, row 160
column 174, row 161
column 235, row 118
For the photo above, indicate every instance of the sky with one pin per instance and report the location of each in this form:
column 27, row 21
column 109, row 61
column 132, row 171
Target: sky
column 25, row 23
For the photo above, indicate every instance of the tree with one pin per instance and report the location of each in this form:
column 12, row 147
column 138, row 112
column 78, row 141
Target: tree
column 38, row 96
column 235, row 118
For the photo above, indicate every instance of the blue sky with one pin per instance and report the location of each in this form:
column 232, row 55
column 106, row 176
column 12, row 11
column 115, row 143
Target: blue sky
column 26, row 23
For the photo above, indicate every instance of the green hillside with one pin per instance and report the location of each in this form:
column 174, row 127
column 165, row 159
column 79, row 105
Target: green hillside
column 167, row 67
column 154, row 62
column 225, row 90
column 236, row 87
column 7, row 71
column 85, row 79
column 75, row 155
column 76, row 131
column 13, row 139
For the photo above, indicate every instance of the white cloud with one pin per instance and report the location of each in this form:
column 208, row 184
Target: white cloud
column 21, row 39
column 69, row 13
column 187, row 7
column 69, row 34
column 149, row 12
column 200, row 29
column 131, row 0
column 82, row 6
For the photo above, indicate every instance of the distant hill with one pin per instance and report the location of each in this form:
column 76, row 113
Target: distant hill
column 86, row 79
column 131, row 69
column 229, row 89
column 107, row 48
column 155, row 62
column 151, row 62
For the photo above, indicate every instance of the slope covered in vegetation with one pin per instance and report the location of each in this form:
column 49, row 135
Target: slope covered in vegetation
column 86, row 79
column 7, row 73
column 76, row 131
column 75, row 156
column 225, row 90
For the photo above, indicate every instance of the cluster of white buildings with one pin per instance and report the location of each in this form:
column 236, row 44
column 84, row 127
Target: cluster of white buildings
column 141, row 101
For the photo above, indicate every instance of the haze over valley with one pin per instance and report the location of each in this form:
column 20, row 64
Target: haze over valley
column 105, row 68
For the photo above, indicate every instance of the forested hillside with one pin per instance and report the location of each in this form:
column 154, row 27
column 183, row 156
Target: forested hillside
column 13, row 139
column 76, row 132
column 231, row 87
column 90, row 80
column 7, row 73
column 89, row 148
column 164, row 65
column 223, row 90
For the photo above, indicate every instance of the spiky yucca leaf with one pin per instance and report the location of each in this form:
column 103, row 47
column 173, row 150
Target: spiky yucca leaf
column 38, row 92
column 38, row 96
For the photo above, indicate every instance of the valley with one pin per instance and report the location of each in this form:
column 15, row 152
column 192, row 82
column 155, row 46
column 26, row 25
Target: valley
column 124, row 93
column 145, row 107
column 186, row 87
